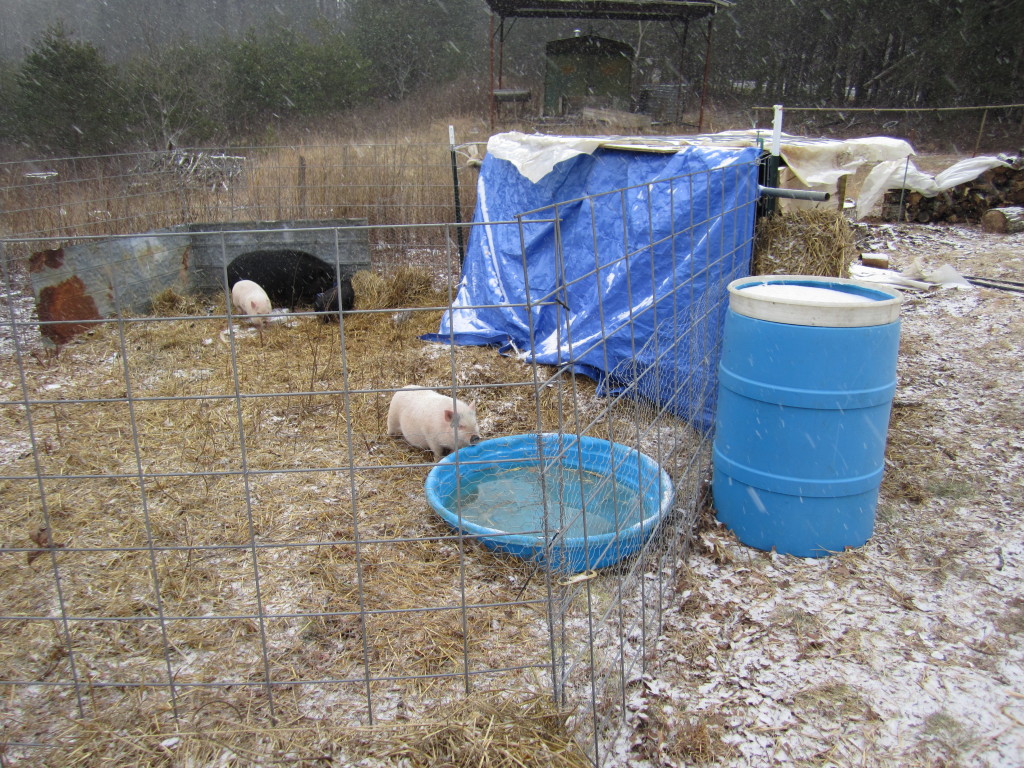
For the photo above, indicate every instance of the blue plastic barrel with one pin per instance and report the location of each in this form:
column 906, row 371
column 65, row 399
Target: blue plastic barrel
column 806, row 382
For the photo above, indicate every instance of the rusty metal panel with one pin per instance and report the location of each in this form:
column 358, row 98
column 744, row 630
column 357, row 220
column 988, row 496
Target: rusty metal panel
column 96, row 279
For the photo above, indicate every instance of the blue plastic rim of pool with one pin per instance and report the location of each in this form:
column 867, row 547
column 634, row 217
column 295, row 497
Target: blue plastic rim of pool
column 554, row 456
column 803, row 410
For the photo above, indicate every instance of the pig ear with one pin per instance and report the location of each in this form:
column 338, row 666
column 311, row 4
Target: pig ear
column 448, row 414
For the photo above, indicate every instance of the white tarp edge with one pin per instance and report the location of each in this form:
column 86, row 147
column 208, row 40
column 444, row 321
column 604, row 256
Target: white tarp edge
column 817, row 163
column 916, row 277
column 824, row 162
column 903, row 174
column 534, row 155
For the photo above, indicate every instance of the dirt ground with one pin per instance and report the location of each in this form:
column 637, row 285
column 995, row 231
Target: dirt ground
column 908, row 651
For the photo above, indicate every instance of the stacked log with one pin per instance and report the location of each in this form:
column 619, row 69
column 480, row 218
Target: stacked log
column 965, row 203
column 1004, row 220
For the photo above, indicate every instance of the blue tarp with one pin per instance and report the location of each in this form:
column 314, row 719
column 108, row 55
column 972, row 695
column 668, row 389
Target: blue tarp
column 615, row 264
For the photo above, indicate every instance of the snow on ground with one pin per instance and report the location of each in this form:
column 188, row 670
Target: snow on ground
column 908, row 651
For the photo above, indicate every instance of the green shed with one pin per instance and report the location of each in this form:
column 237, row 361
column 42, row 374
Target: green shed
column 676, row 13
column 587, row 71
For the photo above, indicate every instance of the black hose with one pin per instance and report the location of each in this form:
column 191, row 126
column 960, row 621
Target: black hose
column 1001, row 285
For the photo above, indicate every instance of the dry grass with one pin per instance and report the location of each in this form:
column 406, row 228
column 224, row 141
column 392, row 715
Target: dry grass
column 180, row 462
column 494, row 730
column 405, row 286
column 944, row 737
column 670, row 737
column 815, row 242
column 836, row 701
column 390, row 181
column 490, row 729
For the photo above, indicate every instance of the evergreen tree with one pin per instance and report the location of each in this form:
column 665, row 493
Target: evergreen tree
column 410, row 43
column 8, row 88
column 282, row 73
column 68, row 100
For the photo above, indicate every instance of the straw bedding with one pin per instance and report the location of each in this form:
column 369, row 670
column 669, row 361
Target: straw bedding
column 158, row 481
column 211, row 476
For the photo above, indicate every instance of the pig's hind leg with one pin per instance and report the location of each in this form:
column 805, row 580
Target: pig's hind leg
column 394, row 422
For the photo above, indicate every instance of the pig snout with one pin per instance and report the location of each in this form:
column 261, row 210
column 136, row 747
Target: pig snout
column 341, row 296
column 427, row 419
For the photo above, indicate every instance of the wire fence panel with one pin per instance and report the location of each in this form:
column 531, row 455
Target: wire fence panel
column 385, row 184
column 214, row 547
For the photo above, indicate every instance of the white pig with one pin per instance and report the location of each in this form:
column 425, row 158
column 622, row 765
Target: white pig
column 248, row 298
column 428, row 419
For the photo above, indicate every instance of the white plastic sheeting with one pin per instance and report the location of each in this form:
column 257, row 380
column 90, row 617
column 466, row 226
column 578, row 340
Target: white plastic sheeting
column 817, row 163
column 903, row 174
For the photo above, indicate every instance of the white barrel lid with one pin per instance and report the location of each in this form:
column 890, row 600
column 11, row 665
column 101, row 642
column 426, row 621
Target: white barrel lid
column 820, row 301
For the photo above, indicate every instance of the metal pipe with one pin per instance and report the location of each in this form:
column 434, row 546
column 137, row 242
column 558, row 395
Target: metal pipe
column 501, row 54
column 777, row 131
column 455, row 186
column 491, row 107
column 704, row 83
column 678, row 113
column 793, row 194
column 981, row 132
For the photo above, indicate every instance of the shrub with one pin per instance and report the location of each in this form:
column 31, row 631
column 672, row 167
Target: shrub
column 177, row 95
column 67, row 99
column 280, row 74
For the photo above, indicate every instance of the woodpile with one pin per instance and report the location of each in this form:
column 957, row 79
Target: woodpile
column 965, row 203
column 1004, row 220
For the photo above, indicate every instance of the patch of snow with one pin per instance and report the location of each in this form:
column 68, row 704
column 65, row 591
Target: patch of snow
column 910, row 649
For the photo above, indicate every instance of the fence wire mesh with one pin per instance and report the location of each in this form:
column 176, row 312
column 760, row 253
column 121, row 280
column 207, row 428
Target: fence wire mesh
column 212, row 544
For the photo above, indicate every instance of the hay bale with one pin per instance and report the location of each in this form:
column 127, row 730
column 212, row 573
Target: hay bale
column 405, row 287
column 815, row 242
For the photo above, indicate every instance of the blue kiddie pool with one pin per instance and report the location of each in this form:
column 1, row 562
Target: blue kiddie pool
column 570, row 503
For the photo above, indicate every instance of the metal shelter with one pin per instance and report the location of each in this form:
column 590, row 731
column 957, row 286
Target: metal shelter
column 676, row 12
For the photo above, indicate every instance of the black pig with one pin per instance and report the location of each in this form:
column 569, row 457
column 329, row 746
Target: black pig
column 328, row 300
column 290, row 278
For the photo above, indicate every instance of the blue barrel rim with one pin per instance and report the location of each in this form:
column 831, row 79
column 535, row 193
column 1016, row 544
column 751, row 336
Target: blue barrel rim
column 881, row 304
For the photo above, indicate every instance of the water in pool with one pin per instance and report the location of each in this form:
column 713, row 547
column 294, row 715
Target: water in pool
column 512, row 500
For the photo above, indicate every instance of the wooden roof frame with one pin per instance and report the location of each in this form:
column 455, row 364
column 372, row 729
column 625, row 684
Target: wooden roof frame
column 619, row 10
column 671, row 11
